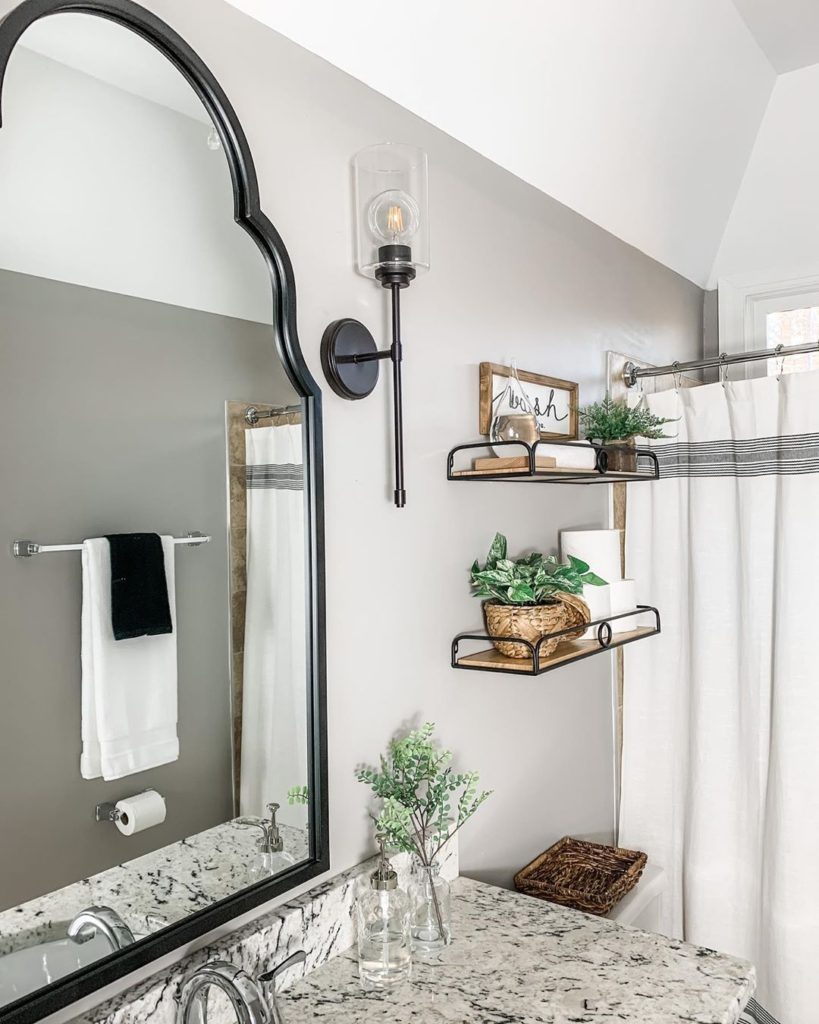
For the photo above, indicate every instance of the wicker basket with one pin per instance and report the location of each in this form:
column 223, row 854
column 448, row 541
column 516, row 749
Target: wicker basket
column 585, row 876
column 535, row 621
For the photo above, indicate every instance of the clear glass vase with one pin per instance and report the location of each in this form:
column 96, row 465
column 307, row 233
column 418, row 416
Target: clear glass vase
column 430, row 909
column 513, row 415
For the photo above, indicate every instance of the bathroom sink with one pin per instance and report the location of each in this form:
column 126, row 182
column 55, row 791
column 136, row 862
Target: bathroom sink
column 26, row 970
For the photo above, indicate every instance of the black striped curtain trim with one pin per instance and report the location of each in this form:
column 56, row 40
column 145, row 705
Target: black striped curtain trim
column 793, row 455
column 756, row 1014
column 288, row 476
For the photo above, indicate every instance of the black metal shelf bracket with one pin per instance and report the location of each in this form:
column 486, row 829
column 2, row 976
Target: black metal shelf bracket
column 646, row 462
column 607, row 640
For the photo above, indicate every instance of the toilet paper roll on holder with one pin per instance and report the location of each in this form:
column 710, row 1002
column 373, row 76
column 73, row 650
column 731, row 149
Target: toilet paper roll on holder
column 110, row 812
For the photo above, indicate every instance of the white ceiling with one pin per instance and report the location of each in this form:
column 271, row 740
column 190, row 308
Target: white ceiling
column 786, row 30
column 639, row 114
column 102, row 49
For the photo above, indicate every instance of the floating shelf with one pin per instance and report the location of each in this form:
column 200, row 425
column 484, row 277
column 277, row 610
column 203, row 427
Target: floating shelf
column 567, row 651
column 534, row 465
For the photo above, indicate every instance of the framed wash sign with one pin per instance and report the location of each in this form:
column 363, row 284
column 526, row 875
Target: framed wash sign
column 555, row 401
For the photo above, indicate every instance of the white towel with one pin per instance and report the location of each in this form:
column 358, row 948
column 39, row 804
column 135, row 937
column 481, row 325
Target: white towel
column 128, row 686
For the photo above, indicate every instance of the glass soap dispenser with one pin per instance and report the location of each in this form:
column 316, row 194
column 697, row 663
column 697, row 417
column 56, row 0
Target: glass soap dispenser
column 269, row 851
column 383, row 926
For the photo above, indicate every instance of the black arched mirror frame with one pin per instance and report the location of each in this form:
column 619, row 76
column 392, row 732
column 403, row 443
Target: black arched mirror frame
column 248, row 215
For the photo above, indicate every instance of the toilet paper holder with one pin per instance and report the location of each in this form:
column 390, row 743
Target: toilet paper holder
column 109, row 811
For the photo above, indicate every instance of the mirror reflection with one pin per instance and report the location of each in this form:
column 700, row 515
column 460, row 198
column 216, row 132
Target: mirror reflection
column 153, row 621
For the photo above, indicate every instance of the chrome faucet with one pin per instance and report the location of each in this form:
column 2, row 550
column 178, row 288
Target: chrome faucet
column 253, row 1001
column 103, row 921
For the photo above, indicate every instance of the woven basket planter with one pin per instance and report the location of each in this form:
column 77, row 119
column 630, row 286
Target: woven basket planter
column 581, row 875
column 533, row 622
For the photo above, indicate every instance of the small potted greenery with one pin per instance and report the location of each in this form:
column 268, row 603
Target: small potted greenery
column 615, row 425
column 423, row 804
column 530, row 597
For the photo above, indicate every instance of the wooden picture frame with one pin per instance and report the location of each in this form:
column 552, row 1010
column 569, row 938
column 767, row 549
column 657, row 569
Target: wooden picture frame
column 556, row 401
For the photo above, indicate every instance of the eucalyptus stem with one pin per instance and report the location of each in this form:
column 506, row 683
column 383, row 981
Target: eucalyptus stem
column 436, row 905
column 420, row 795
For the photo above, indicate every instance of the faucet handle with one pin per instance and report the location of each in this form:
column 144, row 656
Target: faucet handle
column 268, row 979
column 273, row 808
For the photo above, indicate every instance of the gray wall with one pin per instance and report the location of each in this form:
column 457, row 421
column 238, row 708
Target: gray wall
column 111, row 420
column 513, row 272
column 710, row 331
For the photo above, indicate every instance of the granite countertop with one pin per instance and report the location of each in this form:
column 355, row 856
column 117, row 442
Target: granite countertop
column 517, row 960
column 154, row 890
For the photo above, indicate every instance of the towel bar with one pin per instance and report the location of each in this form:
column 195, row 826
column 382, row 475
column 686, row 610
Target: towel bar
column 27, row 548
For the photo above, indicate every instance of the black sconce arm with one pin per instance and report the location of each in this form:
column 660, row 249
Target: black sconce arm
column 350, row 358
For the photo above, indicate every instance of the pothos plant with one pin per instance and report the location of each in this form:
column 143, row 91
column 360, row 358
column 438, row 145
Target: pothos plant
column 531, row 580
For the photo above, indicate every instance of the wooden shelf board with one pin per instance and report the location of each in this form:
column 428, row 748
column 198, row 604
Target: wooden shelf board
column 567, row 651
column 554, row 471
column 580, row 475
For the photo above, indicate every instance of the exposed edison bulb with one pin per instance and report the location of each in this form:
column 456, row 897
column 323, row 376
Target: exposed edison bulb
column 393, row 217
column 214, row 142
column 395, row 220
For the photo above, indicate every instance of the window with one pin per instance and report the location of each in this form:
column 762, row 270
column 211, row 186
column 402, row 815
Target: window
column 793, row 327
column 760, row 310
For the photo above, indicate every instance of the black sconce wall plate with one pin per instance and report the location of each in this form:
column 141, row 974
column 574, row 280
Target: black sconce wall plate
column 349, row 358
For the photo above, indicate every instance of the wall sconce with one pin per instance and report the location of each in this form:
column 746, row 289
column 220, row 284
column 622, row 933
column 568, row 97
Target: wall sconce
column 392, row 246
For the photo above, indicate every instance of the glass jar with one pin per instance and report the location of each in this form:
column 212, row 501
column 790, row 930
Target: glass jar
column 430, row 909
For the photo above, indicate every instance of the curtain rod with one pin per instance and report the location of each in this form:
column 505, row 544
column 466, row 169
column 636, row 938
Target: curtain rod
column 253, row 415
column 632, row 373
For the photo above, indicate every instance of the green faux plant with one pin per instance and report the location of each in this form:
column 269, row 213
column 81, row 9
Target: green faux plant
column 298, row 795
column 423, row 801
column 531, row 580
column 608, row 421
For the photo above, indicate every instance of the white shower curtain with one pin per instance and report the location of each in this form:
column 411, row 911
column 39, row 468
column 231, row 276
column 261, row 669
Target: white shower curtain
column 274, row 699
column 720, row 778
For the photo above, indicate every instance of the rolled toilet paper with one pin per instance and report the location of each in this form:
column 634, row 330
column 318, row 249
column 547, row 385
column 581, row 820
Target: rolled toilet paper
column 599, row 601
column 624, row 599
column 600, row 549
column 136, row 813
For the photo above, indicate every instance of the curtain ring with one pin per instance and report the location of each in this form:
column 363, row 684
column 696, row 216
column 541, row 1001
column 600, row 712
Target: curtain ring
column 677, row 375
column 723, row 370
column 780, row 362
column 642, row 401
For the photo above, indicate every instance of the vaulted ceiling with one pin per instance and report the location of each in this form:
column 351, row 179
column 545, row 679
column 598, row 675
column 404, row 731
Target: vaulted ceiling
column 639, row 114
column 786, row 30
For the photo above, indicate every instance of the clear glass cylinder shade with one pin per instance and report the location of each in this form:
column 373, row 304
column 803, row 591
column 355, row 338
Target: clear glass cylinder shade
column 392, row 207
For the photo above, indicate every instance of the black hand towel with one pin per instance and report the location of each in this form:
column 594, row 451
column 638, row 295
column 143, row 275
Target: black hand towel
column 139, row 590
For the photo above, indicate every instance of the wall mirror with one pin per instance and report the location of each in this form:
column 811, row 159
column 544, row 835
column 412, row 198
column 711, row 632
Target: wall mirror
column 160, row 690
